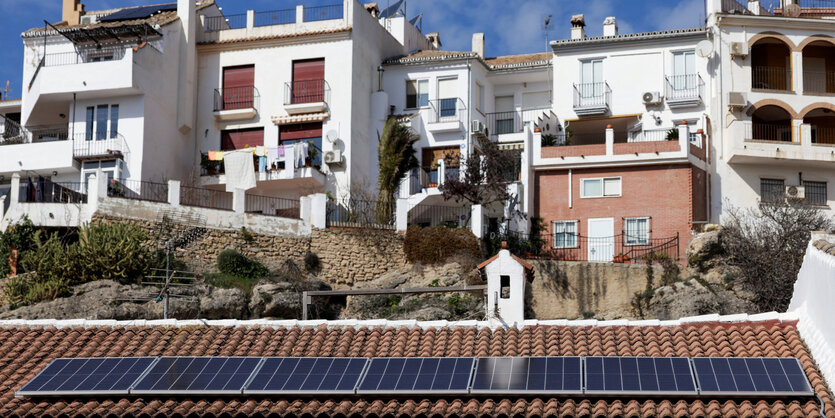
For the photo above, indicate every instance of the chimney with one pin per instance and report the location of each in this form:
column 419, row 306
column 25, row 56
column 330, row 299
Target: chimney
column 373, row 9
column 72, row 11
column 610, row 26
column 478, row 44
column 578, row 23
column 434, row 38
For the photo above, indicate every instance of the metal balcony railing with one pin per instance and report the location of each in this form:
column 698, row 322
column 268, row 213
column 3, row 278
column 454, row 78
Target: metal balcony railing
column 45, row 191
column 272, row 206
column 112, row 145
column 823, row 135
column 499, row 123
column 688, row 87
column 781, row 132
column 138, row 190
column 592, row 95
column 651, row 135
column 313, row 14
column 219, row 23
column 275, row 17
column 237, row 98
column 819, row 81
column 771, row 78
column 307, row 91
column 84, row 56
column 446, row 110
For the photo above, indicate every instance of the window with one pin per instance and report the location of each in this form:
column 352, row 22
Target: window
column 591, row 82
column 815, row 192
column 601, row 187
column 772, row 190
column 505, row 115
column 102, row 122
column 504, row 287
column 114, row 120
column 479, row 97
column 684, row 70
column 565, row 234
column 110, row 168
column 448, row 96
column 637, row 231
column 417, row 93
column 304, row 132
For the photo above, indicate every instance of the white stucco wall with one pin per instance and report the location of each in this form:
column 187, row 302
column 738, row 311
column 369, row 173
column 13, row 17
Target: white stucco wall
column 505, row 311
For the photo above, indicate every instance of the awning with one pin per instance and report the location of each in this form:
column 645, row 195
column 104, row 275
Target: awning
column 309, row 117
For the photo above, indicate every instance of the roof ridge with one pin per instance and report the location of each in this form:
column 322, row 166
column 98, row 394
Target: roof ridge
column 383, row 323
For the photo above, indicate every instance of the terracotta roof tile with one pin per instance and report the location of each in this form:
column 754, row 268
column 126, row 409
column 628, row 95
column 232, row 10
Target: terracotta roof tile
column 508, row 60
column 26, row 350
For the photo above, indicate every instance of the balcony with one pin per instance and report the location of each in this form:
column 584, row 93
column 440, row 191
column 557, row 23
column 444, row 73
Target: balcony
column 771, row 78
column 446, row 115
column 513, row 122
column 308, row 96
column 84, row 71
column 819, row 82
column 99, row 146
column 271, row 178
column 592, row 98
column 274, row 23
column 684, row 90
column 786, row 144
column 236, row 103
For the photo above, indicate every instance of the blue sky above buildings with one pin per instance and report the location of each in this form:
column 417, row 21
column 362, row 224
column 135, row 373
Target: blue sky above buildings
column 510, row 27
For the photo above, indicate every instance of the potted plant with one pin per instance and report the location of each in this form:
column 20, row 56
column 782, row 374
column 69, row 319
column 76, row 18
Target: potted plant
column 672, row 134
column 209, row 167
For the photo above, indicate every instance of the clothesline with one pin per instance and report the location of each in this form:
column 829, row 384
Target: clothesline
column 292, row 156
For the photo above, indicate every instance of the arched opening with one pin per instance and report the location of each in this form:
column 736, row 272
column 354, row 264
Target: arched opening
column 771, row 123
column 819, row 67
column 822, row 122
column 771, row 65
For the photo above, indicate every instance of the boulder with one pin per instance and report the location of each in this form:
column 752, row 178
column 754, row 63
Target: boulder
column 704, row 249
column 283, row 299
column 219, row 303
column 693, row 298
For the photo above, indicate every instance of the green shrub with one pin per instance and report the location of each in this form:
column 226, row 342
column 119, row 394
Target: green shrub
column 112, row 251
column 435, row 244
column 30, row 288
column 236, row 264
column 228, row 281
column 22, row 236
column 311, row 262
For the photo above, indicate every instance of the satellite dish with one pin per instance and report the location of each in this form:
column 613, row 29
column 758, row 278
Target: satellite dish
column 332, row 135
column 704, row 48
column 792, row 10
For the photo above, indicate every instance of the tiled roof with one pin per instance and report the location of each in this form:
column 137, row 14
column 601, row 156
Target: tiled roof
column 431, row 55
column 628, row 37
column 825, row 246
column 519, row 60
column 507, row 61
column 280, row 36
column 26, row 348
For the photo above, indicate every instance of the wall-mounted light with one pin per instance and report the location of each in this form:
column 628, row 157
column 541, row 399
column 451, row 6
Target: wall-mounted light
column 62, row 116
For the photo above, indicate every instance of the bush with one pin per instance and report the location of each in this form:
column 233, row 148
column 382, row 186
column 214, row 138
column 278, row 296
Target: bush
column 233, row 263
column 228, row 281
column 435, row 244
column 22, row 236
column 112, row 251
column 311, row 262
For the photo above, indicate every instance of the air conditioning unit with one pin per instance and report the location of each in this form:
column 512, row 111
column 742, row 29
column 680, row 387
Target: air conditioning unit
column 737, row 100
column 739, row 49
column 333, row 157
column 89, row 19
column 795, row 192
column 651, row 97
column 477, row 127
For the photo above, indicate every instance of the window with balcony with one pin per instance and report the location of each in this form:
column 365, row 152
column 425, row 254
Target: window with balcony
column 448, row 97
column 102, row 122
column 600, row 187
column 822, row 123
column 505, row 115
column 304, row 132
column 565, row 234
column 772, row 190
column 819, row 68
column 684, row 85
column 431, row 167
column 238, row 90
column 770, row 123
column 636, row 231
column 417, row 93
column 308, row 84
column 591, row 87
column 771, row 65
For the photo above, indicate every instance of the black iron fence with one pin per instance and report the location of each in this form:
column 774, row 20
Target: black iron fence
column 358, row 213
column 313, row 14
column 45, row 191
column 771, row 78
column 620, row 248
column 205, row 198
column 218, row 23
column 231, row 98
column 306, row 91
column 734, row 6
column 430, row 215
column 819, row 81
column 272, row 206
column 138, row 190
column 275, row 17
column 823, row 135
column 84, row 56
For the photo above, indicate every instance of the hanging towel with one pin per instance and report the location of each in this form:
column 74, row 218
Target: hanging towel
column 212, row 155
column 219, row 155
column 298, row 148
column 289, row 159
column 260, row 151
column 280, row 150
column 272, row 153
column 262, row 163
column 240, row 170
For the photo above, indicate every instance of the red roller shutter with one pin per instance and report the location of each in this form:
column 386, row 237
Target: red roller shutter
column 238, row 139
column 308, row 80
column 300, row 131
column 238, row 85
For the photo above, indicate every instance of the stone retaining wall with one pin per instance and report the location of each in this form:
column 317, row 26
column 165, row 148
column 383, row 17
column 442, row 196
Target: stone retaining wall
column 349, row 256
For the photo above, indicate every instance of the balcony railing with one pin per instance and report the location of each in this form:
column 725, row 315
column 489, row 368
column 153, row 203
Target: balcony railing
column 205, row 198
column 450, row 216
column 621, row 248
column 780, row 132
column 111, row 145
column 275, row 17
column 771, row 78
column 499, row 123
column 734, row 6
column 651, row 135
column 84, row 56
column 45, row 191
column 272, row 206
column 446, row 110
column 592, row 95
column 314, row 14
column 823, row 135
column 306, row 91
column 819, row 81
column 138, row 190
column 357, row 213
column 219, row 23
column 14, row 134
column 237, row 98
column 682, row 88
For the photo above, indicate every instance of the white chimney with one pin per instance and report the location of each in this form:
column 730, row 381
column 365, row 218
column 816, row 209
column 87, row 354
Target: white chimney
column 478, row 44
column 610, row 26
column 578, row 23
column 434, row 39
column 506, row 279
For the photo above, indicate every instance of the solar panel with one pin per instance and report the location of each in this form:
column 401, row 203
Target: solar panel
column 751, row 377
column 192, row 375
column 307, row 375
column 506, row 375
column 98, row 375
column 639, row 376
column 140, row 12
column 398, row 375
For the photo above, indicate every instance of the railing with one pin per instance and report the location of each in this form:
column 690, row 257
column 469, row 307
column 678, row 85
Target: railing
column 446, row 110
column 734, row 6
column 313, row 14
column 138, row 190
column 823, row 135
column 415, row 184
column 46, row 134
column 84, row 147
column 684, row 87
column 205, row 198
column 500, row 123
column 357, row 213
column 237, row 98
column 84, row 56
column 819, row 81
column 781, row 132
column 45, row 191
column 272, row 206
column 307, row 91
column 651, row 135
column 592, row 95
column 37, row 71
column 219, row 23
column 275, row 17
column 450, row 216
column 771, row 78
column 620, row 248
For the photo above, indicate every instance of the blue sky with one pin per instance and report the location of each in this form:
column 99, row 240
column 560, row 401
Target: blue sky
column 510, row 27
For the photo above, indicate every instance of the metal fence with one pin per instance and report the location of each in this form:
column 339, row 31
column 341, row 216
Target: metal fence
column 45, row 191
column 781, row 132
column 205, row 198
column 275, row 17
column 771, row 78
column 218, row 23
column 574, row 247
column 591, row 95
column 651, row 135
column 357, row 213
column 447, row 110
column 819, row 81
column 138, row 190
column 84, row 56
column 684, row 87
column 272, row 206
column 313, row 14
column 430, row 215
column 823, row 135
column 107, row 144
column 306, row 91
column 237, row 98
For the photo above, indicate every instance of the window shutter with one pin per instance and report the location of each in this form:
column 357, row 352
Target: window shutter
column 447, row 88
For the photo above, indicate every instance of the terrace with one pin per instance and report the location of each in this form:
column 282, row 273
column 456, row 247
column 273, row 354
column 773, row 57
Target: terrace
column 814, row 9
column 255, row 24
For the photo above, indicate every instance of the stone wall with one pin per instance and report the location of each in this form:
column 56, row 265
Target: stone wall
column 349, row 256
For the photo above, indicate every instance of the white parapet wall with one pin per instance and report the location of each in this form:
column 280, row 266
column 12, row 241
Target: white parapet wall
column 814, row 291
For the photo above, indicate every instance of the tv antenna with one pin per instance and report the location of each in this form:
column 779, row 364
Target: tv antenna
column 6, row 91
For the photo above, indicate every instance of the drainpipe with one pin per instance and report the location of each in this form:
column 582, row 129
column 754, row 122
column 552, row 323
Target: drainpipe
column 72, row 121
column 570, row 192
column 469, row 106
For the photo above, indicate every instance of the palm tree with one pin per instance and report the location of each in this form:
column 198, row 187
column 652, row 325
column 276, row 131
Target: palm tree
column 397, row 156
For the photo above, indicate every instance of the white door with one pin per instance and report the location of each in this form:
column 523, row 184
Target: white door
column 601, row 239
column 684, row 70
column 591, row 86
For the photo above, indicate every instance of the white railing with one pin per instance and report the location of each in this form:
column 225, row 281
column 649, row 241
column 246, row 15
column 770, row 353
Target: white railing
column 650, row 135
column 113, row 145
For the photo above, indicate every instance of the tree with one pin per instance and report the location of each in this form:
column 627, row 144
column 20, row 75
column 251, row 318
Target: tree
column 397, row 156
column 487, row 173
column 767, row 245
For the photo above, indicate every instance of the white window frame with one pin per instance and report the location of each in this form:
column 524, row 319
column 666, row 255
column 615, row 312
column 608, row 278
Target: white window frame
column 554, row 233
column 417, row 82
column 93, row 126
column 602, row 187
column 644, row 241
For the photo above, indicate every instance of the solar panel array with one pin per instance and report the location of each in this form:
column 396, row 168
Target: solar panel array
column 140, row 12
column 606, row 376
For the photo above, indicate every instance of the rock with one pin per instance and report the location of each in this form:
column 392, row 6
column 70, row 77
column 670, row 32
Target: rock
column 430, row 314
column 223, row 303
column 691, row 298
column 283, row 299
column 704, row 249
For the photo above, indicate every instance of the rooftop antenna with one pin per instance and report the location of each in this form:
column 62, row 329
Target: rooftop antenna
column 6, row 91
column 546, row 23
